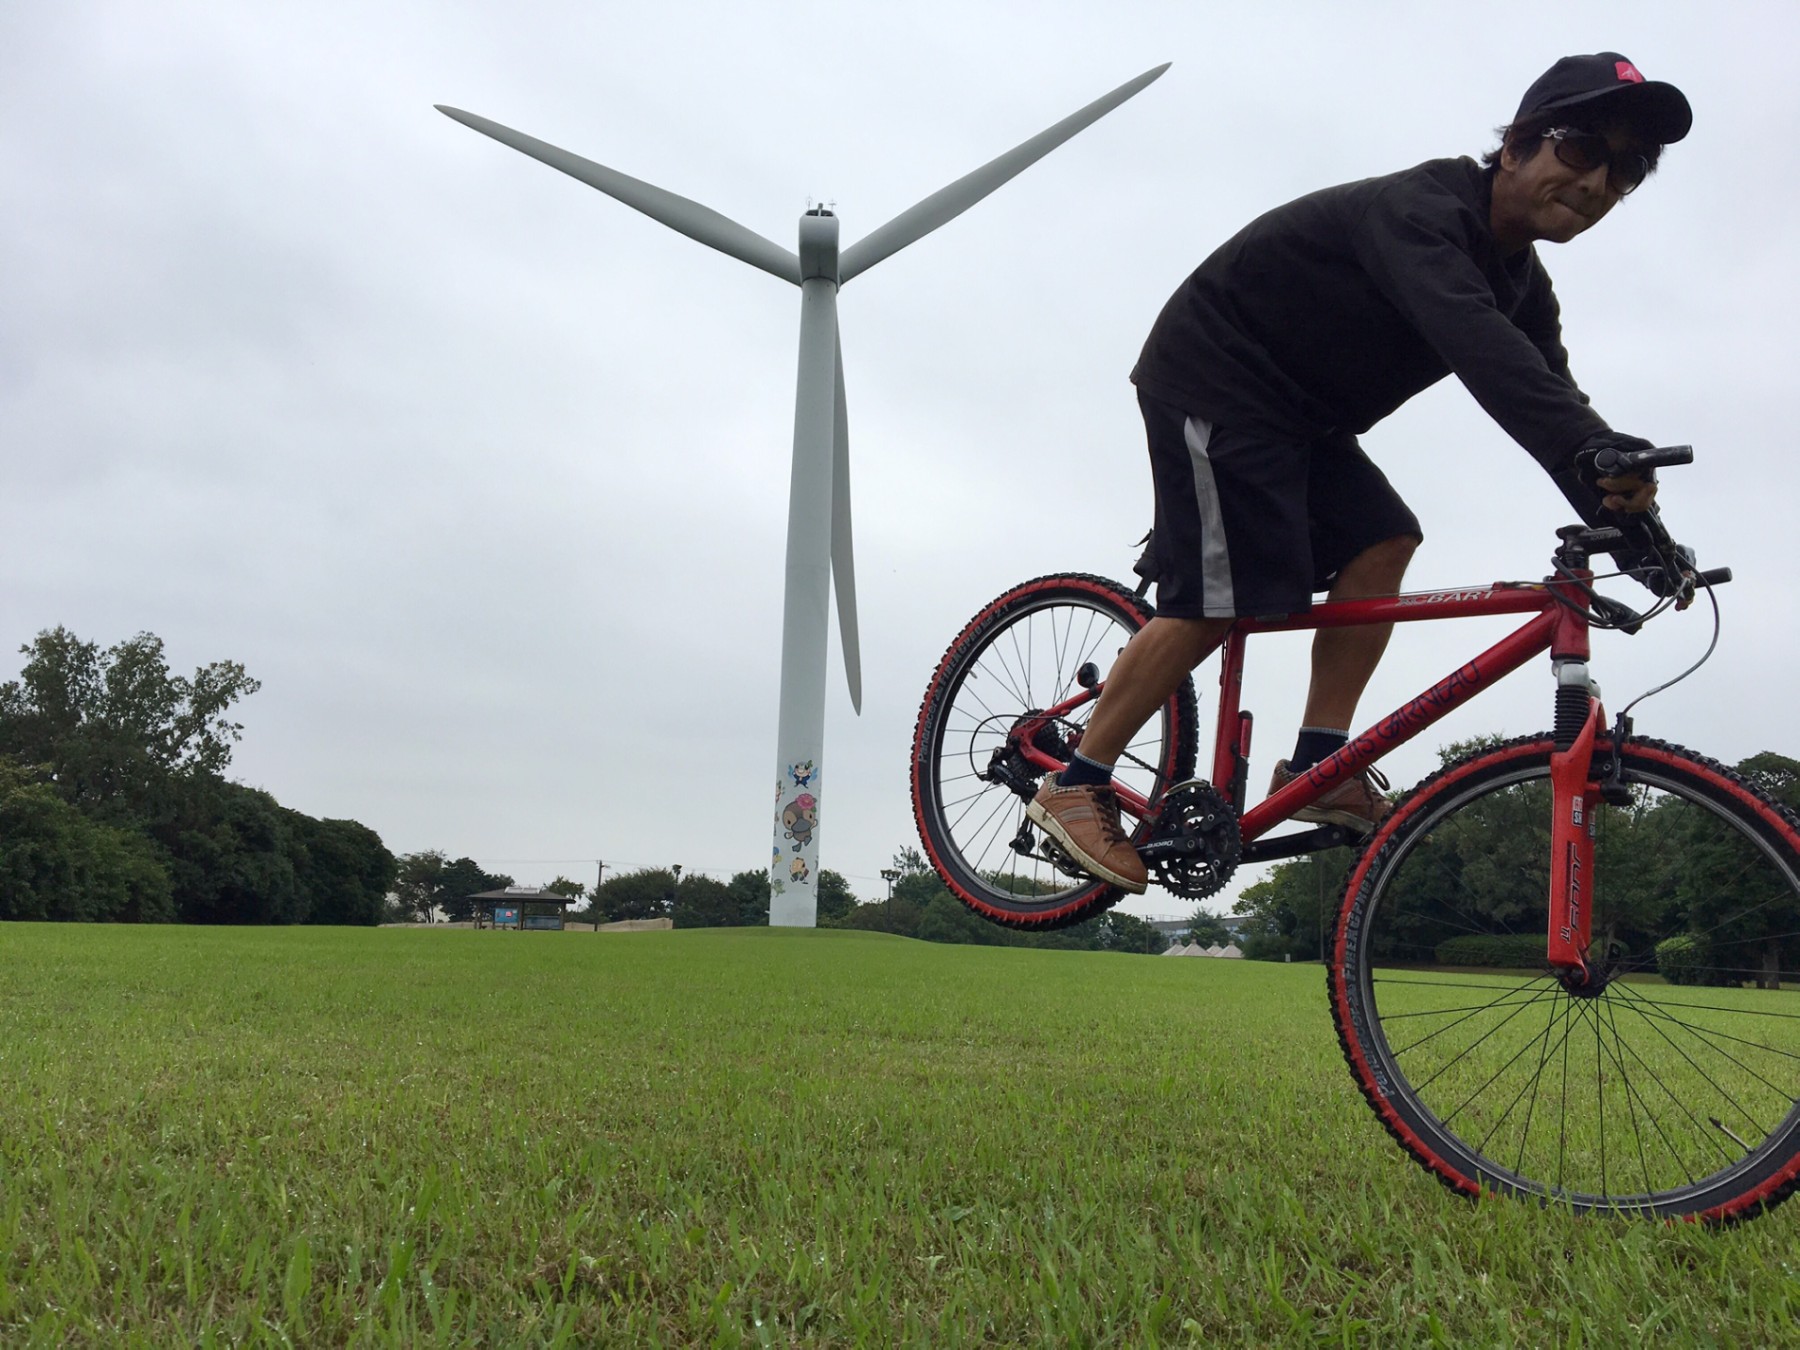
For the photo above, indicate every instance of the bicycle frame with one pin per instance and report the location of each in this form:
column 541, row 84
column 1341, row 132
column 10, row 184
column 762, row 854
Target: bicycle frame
column 1558, row 625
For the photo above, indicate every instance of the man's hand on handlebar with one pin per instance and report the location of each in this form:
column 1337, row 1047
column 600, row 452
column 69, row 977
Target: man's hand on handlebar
column 1629, row 489
column 1624, row 469
column 1630, row 493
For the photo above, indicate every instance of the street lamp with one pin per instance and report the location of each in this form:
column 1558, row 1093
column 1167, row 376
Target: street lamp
column 890, row 875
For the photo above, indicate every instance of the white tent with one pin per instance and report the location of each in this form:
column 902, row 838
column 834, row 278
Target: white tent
column 1232, row 951
column 1215, row 950
column 1174, row 949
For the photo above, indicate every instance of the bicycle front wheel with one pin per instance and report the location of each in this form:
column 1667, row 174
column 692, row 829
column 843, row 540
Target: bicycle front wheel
column 1022, row 654
column 1667, row 1085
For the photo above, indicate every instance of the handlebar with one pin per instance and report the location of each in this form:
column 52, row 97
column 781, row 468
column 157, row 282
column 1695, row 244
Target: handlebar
column 1609, row 463
column 1662, row 564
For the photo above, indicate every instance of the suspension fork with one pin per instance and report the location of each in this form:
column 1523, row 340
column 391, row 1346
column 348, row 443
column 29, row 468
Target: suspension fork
column 1575, row 798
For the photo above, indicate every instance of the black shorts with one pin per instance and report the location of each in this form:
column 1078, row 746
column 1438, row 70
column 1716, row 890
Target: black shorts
column 1250, row 525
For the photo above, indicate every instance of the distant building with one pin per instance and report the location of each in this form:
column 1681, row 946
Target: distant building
column 1178, row 928
column 522, row 907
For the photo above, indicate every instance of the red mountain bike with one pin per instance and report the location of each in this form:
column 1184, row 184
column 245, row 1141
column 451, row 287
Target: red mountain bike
column 1558, row 967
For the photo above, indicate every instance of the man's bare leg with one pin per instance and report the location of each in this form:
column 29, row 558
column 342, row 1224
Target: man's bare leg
column 1154, row 663
column 1344, row 659
column 1082, row 813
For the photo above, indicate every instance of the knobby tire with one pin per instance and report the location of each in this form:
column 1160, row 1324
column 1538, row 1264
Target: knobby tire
column 1022, row 653
column 1675, row 1090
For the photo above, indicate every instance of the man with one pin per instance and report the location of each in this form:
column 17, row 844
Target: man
column 1313, row 323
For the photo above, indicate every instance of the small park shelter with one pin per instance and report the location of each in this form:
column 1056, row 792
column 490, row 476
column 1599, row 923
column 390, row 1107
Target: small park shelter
column 524, row 907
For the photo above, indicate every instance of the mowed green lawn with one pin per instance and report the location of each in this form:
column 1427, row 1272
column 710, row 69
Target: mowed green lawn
column 335, row 1136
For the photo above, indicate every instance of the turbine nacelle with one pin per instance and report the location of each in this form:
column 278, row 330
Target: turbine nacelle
column 819, row 247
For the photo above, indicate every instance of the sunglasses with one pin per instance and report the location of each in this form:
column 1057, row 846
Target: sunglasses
column 1584, row 151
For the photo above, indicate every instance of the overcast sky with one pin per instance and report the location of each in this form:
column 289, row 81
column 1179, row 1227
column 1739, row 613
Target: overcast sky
column 484, row 475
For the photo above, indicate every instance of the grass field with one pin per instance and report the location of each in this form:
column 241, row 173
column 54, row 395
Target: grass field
column 319, row 1137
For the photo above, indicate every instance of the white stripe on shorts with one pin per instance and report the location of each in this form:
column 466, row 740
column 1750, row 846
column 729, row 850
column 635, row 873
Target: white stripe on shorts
column 1215, row 558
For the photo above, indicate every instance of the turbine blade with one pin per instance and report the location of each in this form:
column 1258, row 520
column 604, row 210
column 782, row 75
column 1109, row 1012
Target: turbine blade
column 843, row 560
column 697, row 222
column 947, row 203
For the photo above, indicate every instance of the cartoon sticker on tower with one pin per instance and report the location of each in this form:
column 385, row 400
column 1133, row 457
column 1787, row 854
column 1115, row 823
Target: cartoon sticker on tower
column 799, row 818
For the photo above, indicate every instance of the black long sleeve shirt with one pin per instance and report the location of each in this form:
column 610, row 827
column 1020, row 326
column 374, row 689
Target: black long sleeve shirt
column 1328, row 313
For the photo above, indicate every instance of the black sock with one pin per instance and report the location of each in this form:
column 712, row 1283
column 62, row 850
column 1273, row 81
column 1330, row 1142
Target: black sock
column 1315, row 744
column 1084, row 772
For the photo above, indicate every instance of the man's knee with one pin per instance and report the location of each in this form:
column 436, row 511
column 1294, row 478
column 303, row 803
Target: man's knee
column 1194, row 639
column 1397, row 551
column 1378, row 569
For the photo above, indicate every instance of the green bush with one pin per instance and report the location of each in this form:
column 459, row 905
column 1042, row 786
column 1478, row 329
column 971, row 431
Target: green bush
column 1686, row 959
column 1493, row 949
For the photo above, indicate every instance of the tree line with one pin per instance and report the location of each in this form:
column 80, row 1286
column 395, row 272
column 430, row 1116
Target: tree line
column 114, row 805
column 921, row 907
column 1667, row 870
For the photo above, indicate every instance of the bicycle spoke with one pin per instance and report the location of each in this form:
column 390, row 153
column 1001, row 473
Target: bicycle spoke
column 1599, row 1094
column 1445, row 1012
column 1536, row 1079
column 1491, row 1077
column 1631, row 1093
column 1433, row 984
column 1468, row 1013
column 1710, row 1081
column 1714, row 1037
column 1472, row 1046
column 1675, row 1098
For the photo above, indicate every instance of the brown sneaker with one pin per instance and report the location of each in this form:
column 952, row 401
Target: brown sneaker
column 1358, row 804
column 1085, row 821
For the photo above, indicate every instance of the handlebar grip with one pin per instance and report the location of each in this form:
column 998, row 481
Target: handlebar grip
column 1609, row 463
column 1716, row 576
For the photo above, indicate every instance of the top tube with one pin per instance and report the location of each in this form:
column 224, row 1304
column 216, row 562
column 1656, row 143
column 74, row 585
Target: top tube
column 1463, row 602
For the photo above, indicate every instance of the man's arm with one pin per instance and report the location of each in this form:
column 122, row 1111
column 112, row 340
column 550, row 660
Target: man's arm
column 1420, row 253
column 1539, row 317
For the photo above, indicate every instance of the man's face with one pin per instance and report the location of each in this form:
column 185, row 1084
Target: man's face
column 1544, row 198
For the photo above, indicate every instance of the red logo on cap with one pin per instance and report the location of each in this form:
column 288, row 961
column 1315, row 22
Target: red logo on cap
column 1627, row 71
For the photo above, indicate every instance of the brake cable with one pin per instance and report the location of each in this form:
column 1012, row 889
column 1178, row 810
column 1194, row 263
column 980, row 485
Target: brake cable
column 1704, row 656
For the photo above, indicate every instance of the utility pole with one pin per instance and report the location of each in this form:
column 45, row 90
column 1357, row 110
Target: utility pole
column 677, row 887
column 890, row 875
column 594, row 904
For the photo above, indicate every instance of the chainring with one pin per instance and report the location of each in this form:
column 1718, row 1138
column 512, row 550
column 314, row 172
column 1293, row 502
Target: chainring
column 1195, row 845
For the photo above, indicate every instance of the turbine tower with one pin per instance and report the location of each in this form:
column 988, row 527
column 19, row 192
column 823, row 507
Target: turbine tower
column 818, row 537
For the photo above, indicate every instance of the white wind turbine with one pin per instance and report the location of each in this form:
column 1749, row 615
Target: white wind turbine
column 818, row 539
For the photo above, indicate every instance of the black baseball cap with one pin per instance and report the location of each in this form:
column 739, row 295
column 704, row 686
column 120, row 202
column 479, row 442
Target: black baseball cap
column 1657, row 109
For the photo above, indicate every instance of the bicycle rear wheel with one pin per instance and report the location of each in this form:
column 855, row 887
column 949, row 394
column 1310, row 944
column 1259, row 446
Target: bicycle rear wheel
column 1670, row 1084
column 1024, row 653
